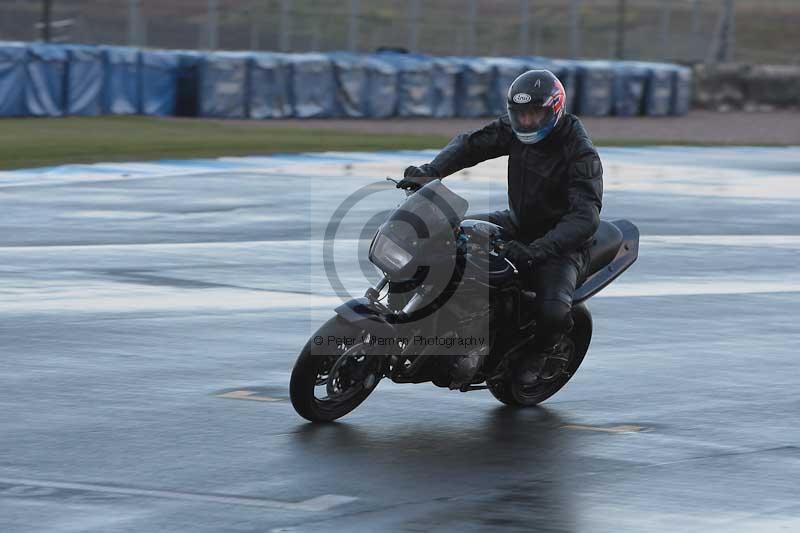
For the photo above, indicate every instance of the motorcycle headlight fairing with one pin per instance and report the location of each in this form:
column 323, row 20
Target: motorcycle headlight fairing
column 388, row 255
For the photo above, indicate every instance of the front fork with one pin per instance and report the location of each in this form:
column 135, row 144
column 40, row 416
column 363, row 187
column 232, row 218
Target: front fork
column 373, row 294
column 399, row 317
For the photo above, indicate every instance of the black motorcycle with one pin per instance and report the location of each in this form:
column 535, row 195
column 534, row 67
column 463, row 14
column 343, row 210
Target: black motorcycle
column 450, row 309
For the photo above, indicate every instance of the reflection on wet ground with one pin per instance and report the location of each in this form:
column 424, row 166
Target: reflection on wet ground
column 141, row 304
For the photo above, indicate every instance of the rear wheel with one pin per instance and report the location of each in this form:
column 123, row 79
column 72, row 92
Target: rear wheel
column 334, row 372
column 556, row 373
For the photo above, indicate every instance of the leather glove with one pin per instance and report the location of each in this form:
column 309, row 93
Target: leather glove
column 524, row 256
column 416, row 177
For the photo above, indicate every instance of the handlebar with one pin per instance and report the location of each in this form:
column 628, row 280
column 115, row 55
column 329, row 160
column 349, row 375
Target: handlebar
column 409, row 191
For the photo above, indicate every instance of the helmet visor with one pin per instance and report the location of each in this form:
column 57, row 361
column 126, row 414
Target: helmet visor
column 526, row 119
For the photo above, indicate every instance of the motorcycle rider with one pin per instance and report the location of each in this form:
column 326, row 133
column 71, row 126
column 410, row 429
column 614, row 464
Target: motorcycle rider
column 555, row 188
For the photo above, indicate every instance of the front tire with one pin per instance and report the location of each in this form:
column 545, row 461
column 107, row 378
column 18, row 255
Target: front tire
column 576, row 341
column 333, row 377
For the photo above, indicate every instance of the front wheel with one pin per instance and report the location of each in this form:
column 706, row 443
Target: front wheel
column 574, row 347
column 334, row 372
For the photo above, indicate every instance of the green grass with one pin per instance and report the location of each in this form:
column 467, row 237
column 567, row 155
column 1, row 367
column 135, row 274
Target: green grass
column 27, row 143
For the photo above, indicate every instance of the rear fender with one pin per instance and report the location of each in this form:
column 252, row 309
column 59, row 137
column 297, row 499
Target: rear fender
column 626, row 256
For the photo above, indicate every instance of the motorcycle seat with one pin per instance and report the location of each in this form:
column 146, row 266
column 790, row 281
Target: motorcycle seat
column 605, row 244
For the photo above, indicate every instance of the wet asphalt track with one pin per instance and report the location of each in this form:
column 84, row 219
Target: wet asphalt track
column 130, row 303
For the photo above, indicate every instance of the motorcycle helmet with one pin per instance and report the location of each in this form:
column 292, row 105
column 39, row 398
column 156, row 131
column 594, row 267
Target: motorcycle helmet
column 535, row 105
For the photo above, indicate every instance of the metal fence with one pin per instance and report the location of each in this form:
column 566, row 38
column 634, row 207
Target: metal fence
column 757, row 31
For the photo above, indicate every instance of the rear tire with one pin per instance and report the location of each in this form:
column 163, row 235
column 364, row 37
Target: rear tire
column 356, row 373
column 578, row 339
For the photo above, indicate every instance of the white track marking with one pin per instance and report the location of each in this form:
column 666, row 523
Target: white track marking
column 770, row 241
column 85, row 289
column 248, row 395
column 626, row 428
column 111, row 297
column 195, row 247
column 623, row 172
column 623, row 289
column 318, row 504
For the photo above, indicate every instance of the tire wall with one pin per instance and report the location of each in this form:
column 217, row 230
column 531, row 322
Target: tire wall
column 56, row 80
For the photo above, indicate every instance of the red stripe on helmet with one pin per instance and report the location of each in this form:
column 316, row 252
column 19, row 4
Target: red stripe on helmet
column 559, row 97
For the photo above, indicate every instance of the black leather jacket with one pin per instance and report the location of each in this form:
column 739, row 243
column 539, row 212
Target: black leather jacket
column 555, row 187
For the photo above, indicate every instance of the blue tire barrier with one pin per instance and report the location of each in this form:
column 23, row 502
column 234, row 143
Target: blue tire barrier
column 382, row 94
column 13, row 58
column 123, row 84
column 445, row 83
column 658, row 90
column 159, row 82
column 681, row 91
column 270, row 86
column 54, row 80
column 630, row 81
column 415, row 92
column 85, row 85
column 313, row 86
column 188, row 84
column 224, row 78
column 474, row 88
column 595, row 86
column 351, row 84
column 45, row 90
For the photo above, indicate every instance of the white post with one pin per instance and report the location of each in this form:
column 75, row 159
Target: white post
column 472, row 27
column 286, row 26
column 524, row 27
column 622, row 9
column 537, row 35
column 695, row 40
column 666, row 20
column 352, row 41
column 213, row 24
column 134, row 22
column 413, row 25
column 731, row 52
column 574, row 29
column 254, row 29
column 723, row 44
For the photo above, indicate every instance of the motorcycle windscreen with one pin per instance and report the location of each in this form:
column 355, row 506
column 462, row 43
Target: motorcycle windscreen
column 422, row 225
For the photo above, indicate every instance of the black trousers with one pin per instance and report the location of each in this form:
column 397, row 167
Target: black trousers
column 554, row 283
